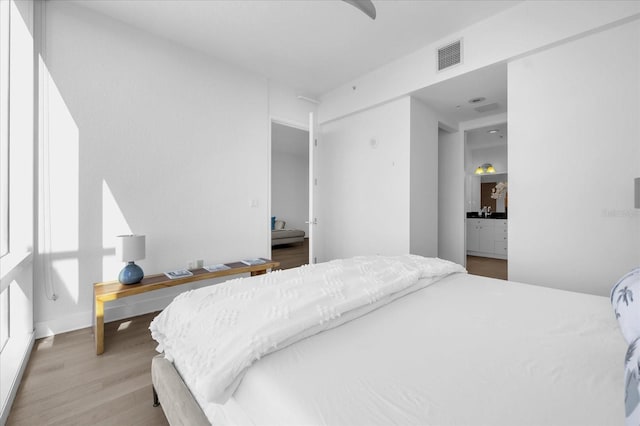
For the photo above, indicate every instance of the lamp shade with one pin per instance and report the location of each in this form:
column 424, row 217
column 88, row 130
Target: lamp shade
column 130, row 247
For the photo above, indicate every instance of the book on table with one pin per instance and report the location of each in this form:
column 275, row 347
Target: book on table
column 254, row 261
column 217, row 267
column 178, row 273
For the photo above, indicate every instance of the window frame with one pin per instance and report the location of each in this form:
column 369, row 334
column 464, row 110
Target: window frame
column 5, row 119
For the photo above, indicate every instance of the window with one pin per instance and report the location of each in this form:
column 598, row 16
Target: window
column 4, row 126
column 4, row 163
column 17, row 147
column 4, row 317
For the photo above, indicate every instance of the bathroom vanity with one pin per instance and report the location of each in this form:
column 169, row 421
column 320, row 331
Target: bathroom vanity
column 487, row 237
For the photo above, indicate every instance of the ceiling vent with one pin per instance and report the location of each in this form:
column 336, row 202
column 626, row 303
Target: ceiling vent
column 488, row 107
column 450, row 55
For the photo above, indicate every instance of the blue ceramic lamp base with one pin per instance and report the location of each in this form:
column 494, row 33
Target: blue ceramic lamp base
column 131, row 274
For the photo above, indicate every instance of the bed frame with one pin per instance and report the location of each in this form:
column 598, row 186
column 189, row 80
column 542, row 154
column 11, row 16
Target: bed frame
column 170, row 392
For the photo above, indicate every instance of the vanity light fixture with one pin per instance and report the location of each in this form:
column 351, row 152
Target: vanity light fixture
column 492, row 131
column 485, row 168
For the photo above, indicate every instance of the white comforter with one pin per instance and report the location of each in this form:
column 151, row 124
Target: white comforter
column 213, row 334
column 465, row 351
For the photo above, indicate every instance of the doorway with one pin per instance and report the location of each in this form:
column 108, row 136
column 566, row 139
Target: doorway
column 486, row 200
column 289, row 195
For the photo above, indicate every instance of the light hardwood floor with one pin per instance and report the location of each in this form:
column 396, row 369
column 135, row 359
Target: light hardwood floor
column 293, row 255
column 487, row 267
column 66, row 383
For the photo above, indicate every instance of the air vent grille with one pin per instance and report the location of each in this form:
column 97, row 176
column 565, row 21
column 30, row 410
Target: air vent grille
column 488, row 107
column 450, row 55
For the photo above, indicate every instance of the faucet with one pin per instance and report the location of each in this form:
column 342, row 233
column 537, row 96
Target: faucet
column 485, row 212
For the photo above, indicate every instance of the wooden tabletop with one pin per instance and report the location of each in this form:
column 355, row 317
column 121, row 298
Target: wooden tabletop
column 112, row 290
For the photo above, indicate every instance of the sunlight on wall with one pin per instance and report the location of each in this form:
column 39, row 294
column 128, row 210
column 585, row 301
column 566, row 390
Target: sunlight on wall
column 58, row 190
column 113, row 224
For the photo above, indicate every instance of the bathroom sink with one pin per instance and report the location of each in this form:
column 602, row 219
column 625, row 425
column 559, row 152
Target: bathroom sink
column 474, row 215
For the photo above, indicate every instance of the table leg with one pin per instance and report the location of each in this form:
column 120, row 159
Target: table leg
column 98, row 330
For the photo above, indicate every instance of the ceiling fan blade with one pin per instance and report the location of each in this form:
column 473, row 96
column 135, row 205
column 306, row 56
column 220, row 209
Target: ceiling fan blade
column 364, row 5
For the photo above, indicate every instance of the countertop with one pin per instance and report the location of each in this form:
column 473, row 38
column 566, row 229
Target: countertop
column 475, row 215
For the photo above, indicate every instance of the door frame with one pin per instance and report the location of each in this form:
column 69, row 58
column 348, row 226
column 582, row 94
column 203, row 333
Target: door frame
column 288, row 123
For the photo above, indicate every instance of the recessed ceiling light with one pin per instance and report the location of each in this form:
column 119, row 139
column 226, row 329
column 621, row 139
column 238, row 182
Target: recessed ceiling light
column 492, row 131
column 476, row 100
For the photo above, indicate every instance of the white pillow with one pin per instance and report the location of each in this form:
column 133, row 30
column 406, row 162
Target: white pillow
column 279, row 224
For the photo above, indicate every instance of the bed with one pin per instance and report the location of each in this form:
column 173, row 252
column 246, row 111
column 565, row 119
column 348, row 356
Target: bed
column 447, row 349
column 280, row 236
column 286, row 236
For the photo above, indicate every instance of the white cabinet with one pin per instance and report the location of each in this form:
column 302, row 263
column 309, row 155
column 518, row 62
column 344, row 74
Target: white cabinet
column 486, row 232
column 500, row 237
column 473, row 235
column 487, row 237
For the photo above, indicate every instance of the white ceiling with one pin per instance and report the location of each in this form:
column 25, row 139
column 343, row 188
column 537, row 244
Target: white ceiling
column 451, row 97
column 310, row 45
column 481, row 138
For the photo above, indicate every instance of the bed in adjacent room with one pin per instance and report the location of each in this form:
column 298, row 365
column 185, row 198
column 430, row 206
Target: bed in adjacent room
column 377, row 340
column 281, row 236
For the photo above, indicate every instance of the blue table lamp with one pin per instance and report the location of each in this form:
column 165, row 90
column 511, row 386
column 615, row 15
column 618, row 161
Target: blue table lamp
column 129, row 249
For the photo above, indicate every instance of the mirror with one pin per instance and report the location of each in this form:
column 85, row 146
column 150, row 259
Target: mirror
column 488, row 187
column 486, row 146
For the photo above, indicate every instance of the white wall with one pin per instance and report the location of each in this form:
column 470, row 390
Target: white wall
column 290, row 178
column 377, row 182
column 148, row 137
column 451, row 209
column 363, row 183
column 423, row 224
column 495, row 155
column 573, row 153
column 285, row 107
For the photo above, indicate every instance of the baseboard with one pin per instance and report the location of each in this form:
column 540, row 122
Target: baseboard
column 112, row 313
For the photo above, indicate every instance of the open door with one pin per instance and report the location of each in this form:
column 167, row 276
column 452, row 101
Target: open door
column 313, row 221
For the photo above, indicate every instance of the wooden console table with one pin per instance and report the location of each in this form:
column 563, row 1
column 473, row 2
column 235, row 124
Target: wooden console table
column 113, row 290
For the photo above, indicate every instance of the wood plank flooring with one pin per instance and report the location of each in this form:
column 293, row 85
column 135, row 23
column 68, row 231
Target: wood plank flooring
column 66, row 383
column 487, row 267
column 291, row 255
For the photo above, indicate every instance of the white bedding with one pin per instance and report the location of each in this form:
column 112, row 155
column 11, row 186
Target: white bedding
column 213, row 334
column 466, row 350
